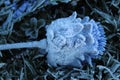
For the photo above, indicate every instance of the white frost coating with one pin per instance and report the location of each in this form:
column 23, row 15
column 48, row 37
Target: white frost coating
column 73, row 40
column 70, row 41
column 34, row 44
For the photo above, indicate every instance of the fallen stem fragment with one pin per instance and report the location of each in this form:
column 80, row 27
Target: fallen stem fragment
column 34, row 44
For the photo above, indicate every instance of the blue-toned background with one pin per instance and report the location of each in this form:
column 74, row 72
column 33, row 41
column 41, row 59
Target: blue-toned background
column 25, row 20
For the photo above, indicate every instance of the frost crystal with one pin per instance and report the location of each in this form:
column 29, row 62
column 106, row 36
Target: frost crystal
column 72, row 41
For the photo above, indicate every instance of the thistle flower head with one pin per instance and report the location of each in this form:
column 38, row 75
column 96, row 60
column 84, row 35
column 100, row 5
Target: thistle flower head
column 72, row 41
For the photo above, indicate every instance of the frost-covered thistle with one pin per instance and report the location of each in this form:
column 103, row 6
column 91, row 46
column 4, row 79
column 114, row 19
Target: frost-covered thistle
column 70, row 41
column 73, row 40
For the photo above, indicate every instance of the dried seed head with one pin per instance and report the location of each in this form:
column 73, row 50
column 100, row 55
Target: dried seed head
column 72, row 40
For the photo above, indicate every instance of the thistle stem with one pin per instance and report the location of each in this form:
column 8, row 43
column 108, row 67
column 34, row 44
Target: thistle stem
column 33, row 44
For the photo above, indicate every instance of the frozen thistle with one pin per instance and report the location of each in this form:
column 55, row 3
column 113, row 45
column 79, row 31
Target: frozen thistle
column 70, row 41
